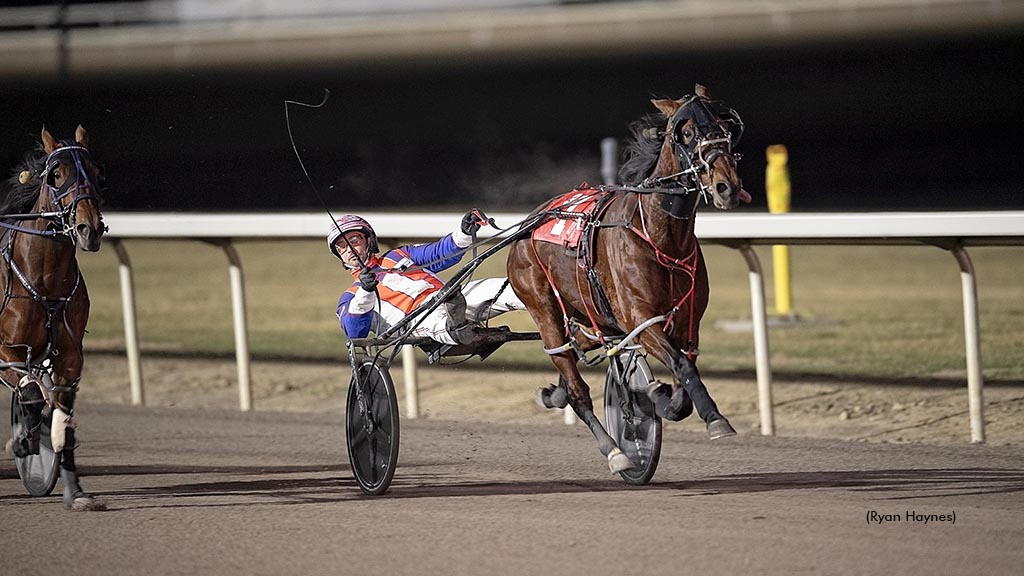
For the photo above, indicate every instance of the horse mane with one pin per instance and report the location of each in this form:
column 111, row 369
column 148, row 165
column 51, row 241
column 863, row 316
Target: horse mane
column 20, row 198
column 642, row 151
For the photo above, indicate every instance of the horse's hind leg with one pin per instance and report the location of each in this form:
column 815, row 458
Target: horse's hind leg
column 553, row 396
column 671, row 404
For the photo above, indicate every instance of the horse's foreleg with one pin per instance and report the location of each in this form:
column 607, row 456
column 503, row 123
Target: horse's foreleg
column 689, row 380
column 579, row 399
column 530, row 283
column 687, row 393
column 31, row 400
column 62, row 436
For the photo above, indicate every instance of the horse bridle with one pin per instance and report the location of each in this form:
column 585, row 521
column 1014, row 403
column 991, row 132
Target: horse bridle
column 62, row 217
column 711, row 139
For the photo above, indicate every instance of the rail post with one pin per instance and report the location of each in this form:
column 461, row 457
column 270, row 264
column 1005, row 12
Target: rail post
column 760, row 325
column 972, row 344
column 412, row 392
column 240, row 324
column 131, row 332
column 777, row 188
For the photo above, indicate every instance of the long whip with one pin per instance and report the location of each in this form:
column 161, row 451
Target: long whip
column 316, row 191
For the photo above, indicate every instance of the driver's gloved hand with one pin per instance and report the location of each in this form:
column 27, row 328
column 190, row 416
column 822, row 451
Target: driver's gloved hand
column 368, row 280
column 471, row 221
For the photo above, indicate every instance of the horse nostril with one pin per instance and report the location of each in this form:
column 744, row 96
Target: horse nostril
column 723, row 188
column 82, row 229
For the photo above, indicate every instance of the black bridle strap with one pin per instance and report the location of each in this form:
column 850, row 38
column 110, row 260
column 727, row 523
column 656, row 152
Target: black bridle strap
column 64, row 216
column 16, row 228
column 709, row 130
column 31, row 289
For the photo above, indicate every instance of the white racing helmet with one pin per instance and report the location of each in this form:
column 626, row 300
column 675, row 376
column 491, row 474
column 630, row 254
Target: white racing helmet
column 349, row 223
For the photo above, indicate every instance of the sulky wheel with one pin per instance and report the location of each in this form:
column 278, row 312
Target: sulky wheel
column 630, row 418
column 371, row 428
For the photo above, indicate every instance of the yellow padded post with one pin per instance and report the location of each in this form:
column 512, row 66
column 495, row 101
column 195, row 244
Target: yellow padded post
column 778, row 190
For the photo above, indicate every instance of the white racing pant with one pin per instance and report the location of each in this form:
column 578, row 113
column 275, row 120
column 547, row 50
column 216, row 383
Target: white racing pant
column 482, row 301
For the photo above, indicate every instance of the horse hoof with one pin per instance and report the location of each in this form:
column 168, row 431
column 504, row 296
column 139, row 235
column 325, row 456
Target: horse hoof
column 618, row 462
column 679, row 406
column 84, row 502
column 720, row 429
column 551, row 396
column 542, row 398
column 672, row 405
column 656, row 388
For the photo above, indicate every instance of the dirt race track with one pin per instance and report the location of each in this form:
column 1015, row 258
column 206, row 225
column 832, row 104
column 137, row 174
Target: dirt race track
column 215, row 491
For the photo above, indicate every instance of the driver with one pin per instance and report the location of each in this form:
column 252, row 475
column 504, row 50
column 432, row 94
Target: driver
column 390, row 286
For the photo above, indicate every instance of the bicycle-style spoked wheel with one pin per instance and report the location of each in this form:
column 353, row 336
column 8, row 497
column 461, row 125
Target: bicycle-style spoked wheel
column 371, row 428
column 630, row 418
column 38, row 472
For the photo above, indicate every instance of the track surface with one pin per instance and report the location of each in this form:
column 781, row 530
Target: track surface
column 220, row 492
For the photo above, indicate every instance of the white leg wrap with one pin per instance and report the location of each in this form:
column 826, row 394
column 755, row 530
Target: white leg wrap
column 618, row 461
column 58, row 427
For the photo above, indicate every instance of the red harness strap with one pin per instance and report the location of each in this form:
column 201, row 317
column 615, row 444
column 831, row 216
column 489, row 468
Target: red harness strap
column 558, row 295
column 687, row 265
column 586, row 307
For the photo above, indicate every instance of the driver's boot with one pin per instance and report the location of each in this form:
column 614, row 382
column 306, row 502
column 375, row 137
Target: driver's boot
column 462, row 330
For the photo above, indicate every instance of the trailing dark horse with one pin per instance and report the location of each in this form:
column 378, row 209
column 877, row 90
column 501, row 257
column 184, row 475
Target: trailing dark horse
column 51, row 209
column 637, row 271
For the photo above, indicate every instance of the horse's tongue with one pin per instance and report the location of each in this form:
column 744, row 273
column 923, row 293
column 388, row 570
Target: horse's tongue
column 745, row 196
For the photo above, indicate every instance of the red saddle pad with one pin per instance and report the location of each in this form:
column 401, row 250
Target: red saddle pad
column 567, row 231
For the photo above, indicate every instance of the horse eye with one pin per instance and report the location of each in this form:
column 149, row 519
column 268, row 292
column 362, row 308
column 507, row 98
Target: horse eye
column 687, row 134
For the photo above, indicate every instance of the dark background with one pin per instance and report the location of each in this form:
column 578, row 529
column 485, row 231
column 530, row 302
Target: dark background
column 894, row 124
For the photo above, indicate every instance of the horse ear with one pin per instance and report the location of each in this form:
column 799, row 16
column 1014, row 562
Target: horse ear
column 667, row 107
column 82, row 137
column 701, row 91
column 49, row 144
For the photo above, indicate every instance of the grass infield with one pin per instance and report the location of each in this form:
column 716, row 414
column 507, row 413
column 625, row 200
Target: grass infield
column 876, row 311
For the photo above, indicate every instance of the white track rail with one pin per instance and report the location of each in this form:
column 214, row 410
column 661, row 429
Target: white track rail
column 952, row 231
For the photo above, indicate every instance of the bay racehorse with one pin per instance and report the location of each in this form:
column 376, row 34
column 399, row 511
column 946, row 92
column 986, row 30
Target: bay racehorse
column 635, row 269
column 52, row 208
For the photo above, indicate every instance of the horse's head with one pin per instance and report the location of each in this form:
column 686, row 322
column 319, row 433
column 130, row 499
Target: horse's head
column 73, row 181
column 697, row 148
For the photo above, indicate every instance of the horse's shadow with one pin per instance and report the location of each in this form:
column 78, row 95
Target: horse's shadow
column 326, row 484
